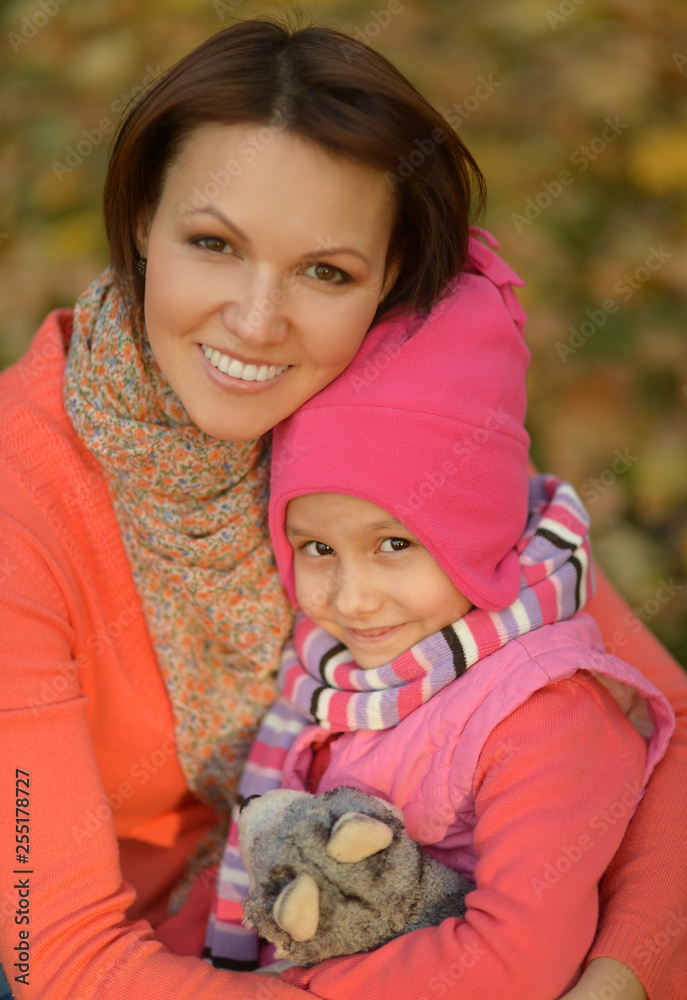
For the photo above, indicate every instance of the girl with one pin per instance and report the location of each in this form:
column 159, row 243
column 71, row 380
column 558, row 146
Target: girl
column 252, row 228
column 501, row 732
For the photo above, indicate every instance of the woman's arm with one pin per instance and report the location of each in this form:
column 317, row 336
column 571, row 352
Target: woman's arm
column 626, row 636
column 643, row 924
column 68, row 883
column 647, row 878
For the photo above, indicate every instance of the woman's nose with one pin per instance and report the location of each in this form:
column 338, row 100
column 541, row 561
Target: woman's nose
column 258, row 317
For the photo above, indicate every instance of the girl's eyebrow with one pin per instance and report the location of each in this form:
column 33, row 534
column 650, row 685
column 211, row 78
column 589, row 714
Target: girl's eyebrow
column 301, row 532
column 314, row 255
column 388, row 524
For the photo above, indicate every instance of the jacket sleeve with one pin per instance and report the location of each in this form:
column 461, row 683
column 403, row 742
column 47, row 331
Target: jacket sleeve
column 643, row 920
column 66, row 893
column 555, row 788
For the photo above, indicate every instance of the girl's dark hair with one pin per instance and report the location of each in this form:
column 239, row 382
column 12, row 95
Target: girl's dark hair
column 329, row 88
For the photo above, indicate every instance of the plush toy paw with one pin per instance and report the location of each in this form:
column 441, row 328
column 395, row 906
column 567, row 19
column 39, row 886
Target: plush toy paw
column 336, row 874
column 276, row 968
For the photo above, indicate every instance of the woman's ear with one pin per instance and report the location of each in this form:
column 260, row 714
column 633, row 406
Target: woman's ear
column 390, row 280
column 141, row 230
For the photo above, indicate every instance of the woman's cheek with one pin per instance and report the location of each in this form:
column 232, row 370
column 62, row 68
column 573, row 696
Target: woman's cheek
column 342, row 338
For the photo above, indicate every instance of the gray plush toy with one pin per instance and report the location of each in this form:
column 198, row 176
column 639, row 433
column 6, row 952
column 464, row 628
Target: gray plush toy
column 336, row 874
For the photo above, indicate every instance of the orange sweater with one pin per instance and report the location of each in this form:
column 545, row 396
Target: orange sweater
column 84, row 711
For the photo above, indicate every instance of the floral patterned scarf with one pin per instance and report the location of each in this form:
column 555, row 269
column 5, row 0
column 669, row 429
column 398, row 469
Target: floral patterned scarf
column 193, row 516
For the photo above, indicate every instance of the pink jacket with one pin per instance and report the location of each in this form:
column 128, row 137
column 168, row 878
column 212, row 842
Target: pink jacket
column 426, row 764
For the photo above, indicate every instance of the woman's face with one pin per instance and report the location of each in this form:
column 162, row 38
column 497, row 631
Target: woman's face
column 265, row 268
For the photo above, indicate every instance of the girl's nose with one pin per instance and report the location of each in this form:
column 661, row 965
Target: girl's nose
column 357, row 595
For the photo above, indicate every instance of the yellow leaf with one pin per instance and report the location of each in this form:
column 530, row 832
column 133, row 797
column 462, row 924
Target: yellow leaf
column 657, row 160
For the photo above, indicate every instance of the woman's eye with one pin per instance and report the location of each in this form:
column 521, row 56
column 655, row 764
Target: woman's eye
column 327, row 274
column 395, row 544
column 213, row 243
column 318, row 549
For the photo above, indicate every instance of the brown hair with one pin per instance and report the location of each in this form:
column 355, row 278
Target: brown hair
column 331, row 89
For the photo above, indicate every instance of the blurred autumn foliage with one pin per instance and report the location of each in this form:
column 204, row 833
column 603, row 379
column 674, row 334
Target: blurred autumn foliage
column 576, row 111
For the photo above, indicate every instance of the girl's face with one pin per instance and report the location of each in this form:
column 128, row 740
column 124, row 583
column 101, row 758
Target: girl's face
column 265, row 268
column 362, row 576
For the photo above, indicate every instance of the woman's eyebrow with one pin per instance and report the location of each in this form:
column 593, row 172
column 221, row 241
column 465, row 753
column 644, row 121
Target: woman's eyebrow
column 326, row 251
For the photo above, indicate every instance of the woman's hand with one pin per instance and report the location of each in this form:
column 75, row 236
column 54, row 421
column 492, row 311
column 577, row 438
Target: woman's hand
column 602, row 973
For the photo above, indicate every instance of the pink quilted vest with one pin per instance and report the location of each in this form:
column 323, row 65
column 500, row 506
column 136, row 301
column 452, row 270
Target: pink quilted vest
column 426, row 764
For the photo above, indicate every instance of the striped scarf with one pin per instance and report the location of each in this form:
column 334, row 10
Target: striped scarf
column 321, row 684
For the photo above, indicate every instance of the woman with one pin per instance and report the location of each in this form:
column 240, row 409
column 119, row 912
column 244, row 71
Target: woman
column 258, row 227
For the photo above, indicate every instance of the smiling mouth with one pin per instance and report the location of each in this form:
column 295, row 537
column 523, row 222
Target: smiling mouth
column 239, row 369
column 373, row 634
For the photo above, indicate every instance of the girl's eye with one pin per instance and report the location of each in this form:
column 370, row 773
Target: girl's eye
column 213, row 243
column 318, row 549
column 395, row 544
column 327, row 274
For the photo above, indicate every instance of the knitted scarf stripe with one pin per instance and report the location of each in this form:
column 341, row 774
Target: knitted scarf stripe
column 322, row 684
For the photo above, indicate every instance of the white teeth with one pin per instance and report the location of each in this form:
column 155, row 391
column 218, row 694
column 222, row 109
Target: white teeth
column 237, row 369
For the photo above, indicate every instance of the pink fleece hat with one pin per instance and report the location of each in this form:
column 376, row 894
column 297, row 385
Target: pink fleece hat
column 429, row 427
